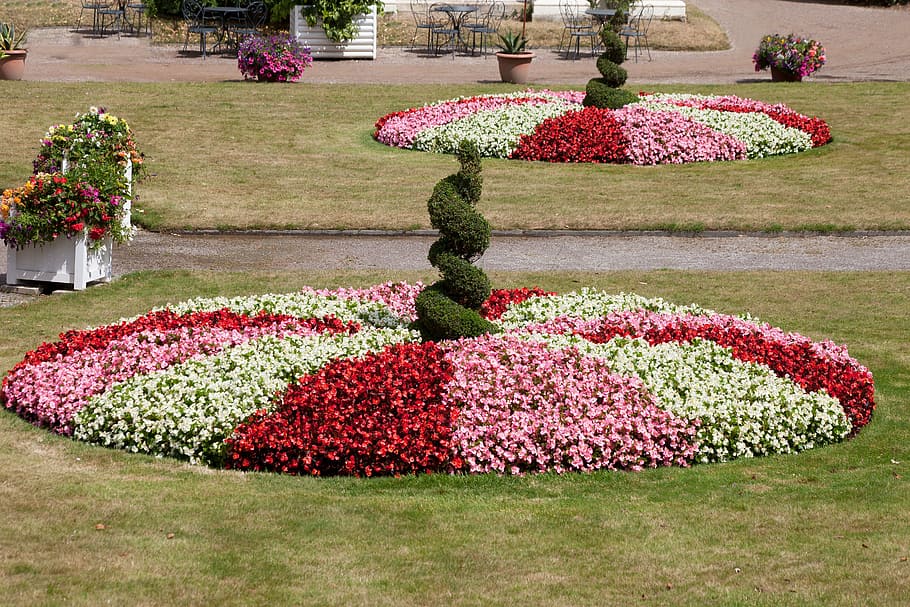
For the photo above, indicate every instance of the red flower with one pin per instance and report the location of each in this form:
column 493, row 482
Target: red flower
column 589, row 135
column 813, row 366
column 380, row 414
column 500, row 299
column 96, row 233
column 77, row 227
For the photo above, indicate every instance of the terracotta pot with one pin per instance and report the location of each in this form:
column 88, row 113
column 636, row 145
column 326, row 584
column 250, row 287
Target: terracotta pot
column 781, row 75
column 515, row 68
column 12, row 66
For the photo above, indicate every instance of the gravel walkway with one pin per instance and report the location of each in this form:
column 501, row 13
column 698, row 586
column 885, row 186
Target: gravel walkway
column 862, row 44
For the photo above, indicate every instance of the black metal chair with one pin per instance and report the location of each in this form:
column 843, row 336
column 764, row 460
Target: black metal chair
column 111, row 18
column 487, row 26
column 94, row 6
column 194, row 15
column 138, row 11
column 576, row 27
column 252, row 23
column 423, row 20
column 636, row 32
column 446, row 33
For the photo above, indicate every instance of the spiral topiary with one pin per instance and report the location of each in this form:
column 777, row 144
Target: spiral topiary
column 448, row 309
column 604, row 92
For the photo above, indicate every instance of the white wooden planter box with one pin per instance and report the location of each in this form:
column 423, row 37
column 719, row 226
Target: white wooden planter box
column 66, row 261
column 362, row 46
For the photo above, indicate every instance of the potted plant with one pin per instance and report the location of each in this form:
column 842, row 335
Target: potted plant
column 273, row 58
column 61, row 224
column 790, row 58
column 337, row 29
column 12, row 55
column 514, row 60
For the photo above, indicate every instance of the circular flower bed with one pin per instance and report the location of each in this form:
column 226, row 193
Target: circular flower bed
column 554, row 126
column 334, row 382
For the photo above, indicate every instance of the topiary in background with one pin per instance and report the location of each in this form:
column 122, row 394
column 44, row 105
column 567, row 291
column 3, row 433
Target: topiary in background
column 448, row 309
column 605, row 92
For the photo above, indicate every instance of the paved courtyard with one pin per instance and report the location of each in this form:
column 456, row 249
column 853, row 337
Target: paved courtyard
column 861, row 43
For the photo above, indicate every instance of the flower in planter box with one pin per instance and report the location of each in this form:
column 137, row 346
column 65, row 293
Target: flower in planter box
column 94, row 137
column 795, row 54
column 50, row 205
column 273, row 59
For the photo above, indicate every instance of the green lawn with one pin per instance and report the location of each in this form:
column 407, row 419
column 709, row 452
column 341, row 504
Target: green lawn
column 827, row 527
column 302, row 156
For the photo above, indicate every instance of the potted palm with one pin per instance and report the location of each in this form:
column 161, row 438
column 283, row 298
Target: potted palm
column 514, row 58
column 12, row 55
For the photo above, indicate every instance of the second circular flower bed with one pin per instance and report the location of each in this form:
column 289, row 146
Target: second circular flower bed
column 554, row 126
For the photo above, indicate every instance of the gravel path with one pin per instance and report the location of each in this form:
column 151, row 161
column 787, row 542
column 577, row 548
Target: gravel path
column 862, row 44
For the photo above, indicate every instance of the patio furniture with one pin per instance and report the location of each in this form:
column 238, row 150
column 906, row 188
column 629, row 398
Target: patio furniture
column 138, row 11
column 424, row 20
column 486, row 26
column 94, row 6
column 636, row 32
column 452, row 35
column 252, row 23
column 576, row 27
column 195, row 17
column 222, row 17
column 111, row 17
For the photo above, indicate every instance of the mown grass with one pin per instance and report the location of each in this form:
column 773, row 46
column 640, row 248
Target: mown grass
column 826, row 527
column 302, row 156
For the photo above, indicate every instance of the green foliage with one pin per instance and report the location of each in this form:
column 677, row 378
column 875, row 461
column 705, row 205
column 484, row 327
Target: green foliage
column 337, row 15
column 614, row 48
column 9, row 40
column 512, row 43
column 169, row 7
column 612, row 74
column 442, row 318
column 604, row 92
column 448, row 308
column 601, row 94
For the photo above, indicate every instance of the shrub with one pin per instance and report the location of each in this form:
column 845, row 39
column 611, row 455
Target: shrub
column 449, row 308
column 601, row 94
column 614, row 49
column 613, row 75
column 604, row 92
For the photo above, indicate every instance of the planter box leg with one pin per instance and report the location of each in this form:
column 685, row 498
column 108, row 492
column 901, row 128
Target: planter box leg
column 79, row 266
column 10, row 266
